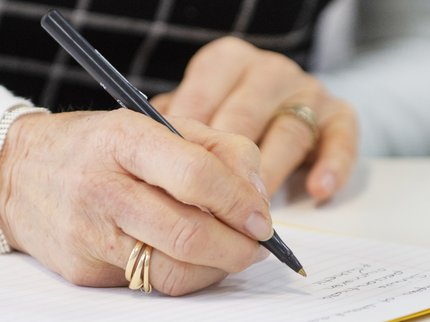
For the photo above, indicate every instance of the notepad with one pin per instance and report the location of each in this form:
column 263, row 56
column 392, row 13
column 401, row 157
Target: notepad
column 350, row 279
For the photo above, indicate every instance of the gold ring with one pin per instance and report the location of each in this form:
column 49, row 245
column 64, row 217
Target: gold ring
column 147, row 287
column 303, row 113
column 136, row 281
column 132, row 260
column 137, row 268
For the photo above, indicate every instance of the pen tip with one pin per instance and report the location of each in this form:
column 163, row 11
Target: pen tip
column 302, row 272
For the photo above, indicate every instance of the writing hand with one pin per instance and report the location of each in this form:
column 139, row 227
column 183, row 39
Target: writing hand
column 78, row 190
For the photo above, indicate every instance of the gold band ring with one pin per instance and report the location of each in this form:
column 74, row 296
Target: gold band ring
column 303, row 113
column 137, row 268
column 136, row 281
column 147, row 287
column 132, row 260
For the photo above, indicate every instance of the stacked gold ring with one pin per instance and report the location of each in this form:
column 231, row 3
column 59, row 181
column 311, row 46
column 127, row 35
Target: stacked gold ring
column 137, row 269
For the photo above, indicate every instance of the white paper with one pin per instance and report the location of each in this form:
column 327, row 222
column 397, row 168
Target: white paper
column 349, row 279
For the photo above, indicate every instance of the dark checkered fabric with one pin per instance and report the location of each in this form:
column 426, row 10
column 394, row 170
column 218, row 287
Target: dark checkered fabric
column 150, row 41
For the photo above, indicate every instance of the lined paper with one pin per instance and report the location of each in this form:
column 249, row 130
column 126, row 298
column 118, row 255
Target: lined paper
column 349, row 279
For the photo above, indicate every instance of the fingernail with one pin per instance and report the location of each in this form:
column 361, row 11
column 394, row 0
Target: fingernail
column 262, row 254
column 328, row 182
column 258, row 226
column 259, row 185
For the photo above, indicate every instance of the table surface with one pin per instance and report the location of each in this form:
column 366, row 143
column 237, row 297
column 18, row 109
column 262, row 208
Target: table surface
column 386, row 199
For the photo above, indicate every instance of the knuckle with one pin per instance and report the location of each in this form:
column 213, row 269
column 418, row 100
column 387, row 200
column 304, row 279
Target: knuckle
column 226, row 46
column 113, row 121
column 120, row 114
column 227, row 41
column 273, row 62
column 313, row 85
column 192, row 168
column 222, row 49
column 188, row 239
column 109, row 131
column 119, row 123
column 175, row 281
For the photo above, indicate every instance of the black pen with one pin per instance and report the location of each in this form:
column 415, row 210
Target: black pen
column 130, row 97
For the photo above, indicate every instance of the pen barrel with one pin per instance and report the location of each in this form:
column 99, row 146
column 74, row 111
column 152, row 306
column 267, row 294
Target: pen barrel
column 278, row 248
column 98, row 67
column 86, row 55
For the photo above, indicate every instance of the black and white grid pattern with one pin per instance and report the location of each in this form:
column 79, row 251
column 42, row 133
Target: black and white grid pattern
column 150, row 41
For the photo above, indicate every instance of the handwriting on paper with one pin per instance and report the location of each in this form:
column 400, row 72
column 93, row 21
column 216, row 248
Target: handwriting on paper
column 358, row 278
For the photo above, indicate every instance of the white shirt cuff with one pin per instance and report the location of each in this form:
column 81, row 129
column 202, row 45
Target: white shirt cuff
column 8, row 101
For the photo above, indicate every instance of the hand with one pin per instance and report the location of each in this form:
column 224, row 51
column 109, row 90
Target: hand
column 234, row 86
column 78, row 190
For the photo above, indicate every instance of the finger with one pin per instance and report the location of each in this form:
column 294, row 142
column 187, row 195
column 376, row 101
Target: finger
column 248, row 109
column 162, row 101
column 210, row 76
column 148, row 214
column 175, row 278
column 337, row 152
column 190, row 173
column 283, row 149
column 166, row 274
column 245, row 162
